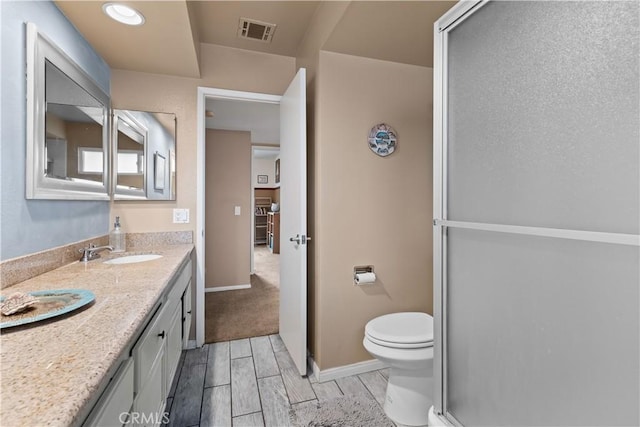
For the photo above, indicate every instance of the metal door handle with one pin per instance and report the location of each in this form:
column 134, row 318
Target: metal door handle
column 300, row 239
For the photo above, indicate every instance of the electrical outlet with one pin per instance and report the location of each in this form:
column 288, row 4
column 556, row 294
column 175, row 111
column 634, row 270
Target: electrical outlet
column 181, row 216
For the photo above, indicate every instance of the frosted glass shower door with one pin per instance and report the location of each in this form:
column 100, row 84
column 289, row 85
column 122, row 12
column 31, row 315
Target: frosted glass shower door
column 537, row 213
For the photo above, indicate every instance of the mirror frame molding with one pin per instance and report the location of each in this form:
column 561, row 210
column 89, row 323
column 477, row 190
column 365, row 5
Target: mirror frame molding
column 38, row 185
column 129, row 120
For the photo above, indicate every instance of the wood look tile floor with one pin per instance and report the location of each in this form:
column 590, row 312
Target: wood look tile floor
column 252, row 382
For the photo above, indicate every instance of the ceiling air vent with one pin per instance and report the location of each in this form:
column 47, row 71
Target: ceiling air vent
column 256, row 30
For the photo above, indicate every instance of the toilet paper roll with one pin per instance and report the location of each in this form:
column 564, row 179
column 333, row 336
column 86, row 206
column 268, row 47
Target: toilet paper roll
column 362, row 278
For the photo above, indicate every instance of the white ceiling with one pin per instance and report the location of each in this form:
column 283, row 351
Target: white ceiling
column 217, row 23
column 169, row 41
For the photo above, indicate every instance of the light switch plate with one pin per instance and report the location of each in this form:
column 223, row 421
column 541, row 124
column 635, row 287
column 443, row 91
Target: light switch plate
column 236, row 210
column 181, row 216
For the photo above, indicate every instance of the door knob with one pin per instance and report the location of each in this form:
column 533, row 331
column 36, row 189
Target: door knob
column 295, row 239
column 300, row 239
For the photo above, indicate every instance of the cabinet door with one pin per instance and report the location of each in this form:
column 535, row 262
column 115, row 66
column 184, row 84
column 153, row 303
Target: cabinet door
column 186, row 315
column 174, row 345
column 113, row 407
column 148, row 408
column 151, row 344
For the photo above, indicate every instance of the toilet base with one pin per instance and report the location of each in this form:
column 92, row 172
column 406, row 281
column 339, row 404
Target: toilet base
column 408, row 396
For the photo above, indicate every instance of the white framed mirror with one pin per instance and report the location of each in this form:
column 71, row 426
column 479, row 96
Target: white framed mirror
column 144, row 150
column 67, row 126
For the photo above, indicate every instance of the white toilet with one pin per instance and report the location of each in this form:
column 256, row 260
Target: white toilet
column 404, row 342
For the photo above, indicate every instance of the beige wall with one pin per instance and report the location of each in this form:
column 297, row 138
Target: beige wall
column 327, row 15
column 55, row 126
column 384, row 205
column 369, row 209
column 221, row 67
column 228, row 184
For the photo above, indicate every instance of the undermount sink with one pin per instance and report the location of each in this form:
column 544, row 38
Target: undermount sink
column 130, row 259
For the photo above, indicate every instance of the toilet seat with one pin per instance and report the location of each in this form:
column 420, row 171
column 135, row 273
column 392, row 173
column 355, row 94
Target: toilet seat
column 398, row 345
column 401, row 330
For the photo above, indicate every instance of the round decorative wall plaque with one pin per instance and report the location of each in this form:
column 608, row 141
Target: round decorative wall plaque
column 382, row 139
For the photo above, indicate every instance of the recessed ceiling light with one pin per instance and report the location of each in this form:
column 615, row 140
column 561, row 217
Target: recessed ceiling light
column 123, row 14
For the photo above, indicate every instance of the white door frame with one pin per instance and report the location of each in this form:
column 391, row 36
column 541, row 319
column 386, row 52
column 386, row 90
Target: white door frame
column 203, row 94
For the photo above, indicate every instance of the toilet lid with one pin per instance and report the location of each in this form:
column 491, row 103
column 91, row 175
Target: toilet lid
column 401, row 330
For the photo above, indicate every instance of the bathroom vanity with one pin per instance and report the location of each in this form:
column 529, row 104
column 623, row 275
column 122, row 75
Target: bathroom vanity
column 117, row 356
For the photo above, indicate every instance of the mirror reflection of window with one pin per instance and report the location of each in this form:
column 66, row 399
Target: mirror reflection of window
column 130, row 162
column 90, row 161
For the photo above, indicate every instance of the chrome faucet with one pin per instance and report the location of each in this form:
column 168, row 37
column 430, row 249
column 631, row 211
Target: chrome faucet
column 91, row 252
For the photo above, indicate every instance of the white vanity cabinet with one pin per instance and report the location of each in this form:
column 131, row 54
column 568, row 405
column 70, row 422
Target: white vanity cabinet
column 141, row 385
column 157, row 353
column 174, row 346
column 173, row 309
column 149, row 359
column 115, row 404
column 186, row 316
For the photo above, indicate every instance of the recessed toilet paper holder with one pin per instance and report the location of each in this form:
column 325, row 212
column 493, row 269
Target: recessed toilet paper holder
column 360, row 269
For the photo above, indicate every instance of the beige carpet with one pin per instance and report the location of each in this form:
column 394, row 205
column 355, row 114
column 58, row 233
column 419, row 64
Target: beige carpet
column 245, row 313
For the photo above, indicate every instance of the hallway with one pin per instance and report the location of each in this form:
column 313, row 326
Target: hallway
column 246, row 313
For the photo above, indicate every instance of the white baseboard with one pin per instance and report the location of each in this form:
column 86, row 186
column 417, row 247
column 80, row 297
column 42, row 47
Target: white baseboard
column 191, row 344
column 345, row 371
column 227, row 288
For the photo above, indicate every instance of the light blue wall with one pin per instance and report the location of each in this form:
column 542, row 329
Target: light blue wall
column 28, row 226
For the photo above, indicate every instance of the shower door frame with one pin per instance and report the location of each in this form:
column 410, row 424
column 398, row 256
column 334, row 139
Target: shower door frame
column 454, row 17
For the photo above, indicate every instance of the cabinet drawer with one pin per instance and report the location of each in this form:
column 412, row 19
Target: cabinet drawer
column 149, row 346
column 117, row 399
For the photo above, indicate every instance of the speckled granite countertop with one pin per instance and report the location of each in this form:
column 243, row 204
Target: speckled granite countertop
column 52, row 370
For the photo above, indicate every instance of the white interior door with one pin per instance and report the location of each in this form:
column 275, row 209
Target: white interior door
column 293, row 220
